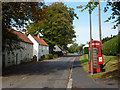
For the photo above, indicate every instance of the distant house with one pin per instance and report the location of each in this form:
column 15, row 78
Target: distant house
column 58, row 49
column 40, row 47
column 85, row 46
column 17, row 56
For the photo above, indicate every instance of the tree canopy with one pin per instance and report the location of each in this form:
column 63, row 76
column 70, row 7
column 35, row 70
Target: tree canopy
column 75, row 48
column 18, row 14
column 56, row 27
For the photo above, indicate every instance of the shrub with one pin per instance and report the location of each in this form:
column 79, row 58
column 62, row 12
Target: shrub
column 42, row 57
column 49, row 56
column 55, row 56
column 86, row 49
column 111, row 47
column 59, row 53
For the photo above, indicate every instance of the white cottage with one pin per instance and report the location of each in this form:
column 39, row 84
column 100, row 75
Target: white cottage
column 17, row 56
column 119, row 28
column 58, row 48
column 40, row 47
column 86, row 45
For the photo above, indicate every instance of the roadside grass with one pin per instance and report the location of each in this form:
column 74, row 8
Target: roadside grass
column 70, row 53
column 84, row 62
column 110, row 65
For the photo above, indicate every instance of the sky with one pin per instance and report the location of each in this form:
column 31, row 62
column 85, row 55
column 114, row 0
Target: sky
column 82, row 26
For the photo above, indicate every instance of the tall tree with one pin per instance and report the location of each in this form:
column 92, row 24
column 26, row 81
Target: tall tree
column 18, row 14
column 56, row 27
column 73, row 48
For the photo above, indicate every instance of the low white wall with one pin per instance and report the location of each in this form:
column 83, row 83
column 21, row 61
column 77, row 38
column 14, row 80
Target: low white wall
column 16, row 56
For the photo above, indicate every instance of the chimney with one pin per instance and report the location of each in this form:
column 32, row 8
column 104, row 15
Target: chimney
column 38, row 35
column 87, row 43
column 111, row 35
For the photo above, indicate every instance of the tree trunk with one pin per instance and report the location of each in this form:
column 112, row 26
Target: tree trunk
column 51, row 49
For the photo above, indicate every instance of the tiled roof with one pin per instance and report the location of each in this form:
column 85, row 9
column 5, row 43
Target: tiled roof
column 21, row 36
column 40, row 41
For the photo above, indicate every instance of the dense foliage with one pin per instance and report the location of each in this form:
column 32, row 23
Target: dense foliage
column 56, row 27
column 49, row 56
column 112, row 46
column 18, row 15
column 75, row 48
column 86, row 50
column 107, row 38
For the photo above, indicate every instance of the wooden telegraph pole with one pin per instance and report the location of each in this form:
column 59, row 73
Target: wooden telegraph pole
column 91, row 41
column 99, row 22
column 90, row 38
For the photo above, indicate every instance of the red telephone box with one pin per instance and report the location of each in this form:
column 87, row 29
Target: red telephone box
column 96, row 56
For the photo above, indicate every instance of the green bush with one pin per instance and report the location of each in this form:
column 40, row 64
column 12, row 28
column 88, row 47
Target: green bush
column 86, row 49
column 49, row 56
column 42, row 57
column 111, row 47
column 55, row 55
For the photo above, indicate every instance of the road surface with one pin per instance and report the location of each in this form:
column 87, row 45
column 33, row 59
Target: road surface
column 63, row 72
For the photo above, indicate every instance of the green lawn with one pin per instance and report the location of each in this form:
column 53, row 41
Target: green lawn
column 110, row 66
column 84, row 62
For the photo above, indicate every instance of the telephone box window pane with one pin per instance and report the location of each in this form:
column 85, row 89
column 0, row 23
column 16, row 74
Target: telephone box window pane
column 95, row 57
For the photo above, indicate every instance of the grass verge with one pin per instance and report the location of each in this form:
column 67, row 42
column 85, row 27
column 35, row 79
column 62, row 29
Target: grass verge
column 70, row 53
column 110, row 66
column 84, row 62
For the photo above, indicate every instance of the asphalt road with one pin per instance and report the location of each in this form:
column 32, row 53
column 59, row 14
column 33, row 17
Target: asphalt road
column 53, row 74
column 48, row 74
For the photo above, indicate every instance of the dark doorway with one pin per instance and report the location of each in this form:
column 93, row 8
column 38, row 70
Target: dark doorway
column 3, row 61
column 16, row 58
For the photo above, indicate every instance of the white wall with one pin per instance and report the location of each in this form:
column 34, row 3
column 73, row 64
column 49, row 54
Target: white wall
column 38, row 50
column 56, row 48
column 118, row 27
column 16, row 56
column 87, row 45
column 43, row 50
column 35, row 47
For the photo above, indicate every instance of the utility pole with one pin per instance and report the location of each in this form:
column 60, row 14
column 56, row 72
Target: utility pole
column 99, row 22
column 90, row 38
column 91, row 41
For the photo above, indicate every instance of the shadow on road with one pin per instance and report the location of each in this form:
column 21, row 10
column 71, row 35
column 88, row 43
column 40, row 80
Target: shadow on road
column 44, row 68
column 72, row 55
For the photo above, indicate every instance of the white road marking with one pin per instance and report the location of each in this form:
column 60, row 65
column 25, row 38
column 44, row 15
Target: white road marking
column 69, row 85
column 70, row 80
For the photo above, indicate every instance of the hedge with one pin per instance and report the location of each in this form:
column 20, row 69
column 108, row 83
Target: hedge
column 111, row 47
column 86, row 50
column 49, row 56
